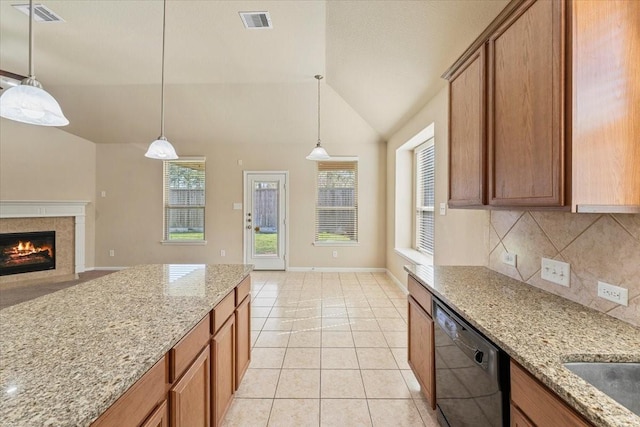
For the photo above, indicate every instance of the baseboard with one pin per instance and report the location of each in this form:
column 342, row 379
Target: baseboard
column 107, row 268
column 398, row 283
column 337, row 269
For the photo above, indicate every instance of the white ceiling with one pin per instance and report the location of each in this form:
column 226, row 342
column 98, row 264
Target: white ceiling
column 383, row 58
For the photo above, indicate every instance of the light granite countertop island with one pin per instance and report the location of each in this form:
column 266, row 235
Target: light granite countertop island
column 540, row 331
column 66, row 357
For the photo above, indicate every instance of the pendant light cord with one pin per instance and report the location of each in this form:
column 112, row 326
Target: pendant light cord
column 31, row 73
column 318, row 77
column 164, row 25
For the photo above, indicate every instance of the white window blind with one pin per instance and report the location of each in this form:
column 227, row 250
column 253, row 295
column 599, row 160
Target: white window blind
column 425, row 196
column 184, row 199
column 337, row 202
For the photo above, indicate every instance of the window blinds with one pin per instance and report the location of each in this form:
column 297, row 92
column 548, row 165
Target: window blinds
column 184, row 199
column 425, row 196
column 337, row 202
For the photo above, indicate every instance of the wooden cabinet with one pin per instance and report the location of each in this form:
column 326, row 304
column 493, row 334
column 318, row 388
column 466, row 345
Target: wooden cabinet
column 190, row 396
column 536, row 405
column 223, row 367
column 525, row 107
column 557, row 100
column 159, row 417
column 467, row 133
column 606, row 106
column 421, row 347
column 243, row 339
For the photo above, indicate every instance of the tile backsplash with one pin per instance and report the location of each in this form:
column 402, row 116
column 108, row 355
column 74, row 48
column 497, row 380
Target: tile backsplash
column 599, row 247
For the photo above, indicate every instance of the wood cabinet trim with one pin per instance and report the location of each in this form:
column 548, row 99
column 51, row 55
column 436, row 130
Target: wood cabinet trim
column 159, row 417
column 420, row 295
column 242, row 290
column 188, row 348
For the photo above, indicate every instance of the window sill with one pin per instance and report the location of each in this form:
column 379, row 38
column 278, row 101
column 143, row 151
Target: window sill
column 183, row 242
column 335, row 243
column 414, row 256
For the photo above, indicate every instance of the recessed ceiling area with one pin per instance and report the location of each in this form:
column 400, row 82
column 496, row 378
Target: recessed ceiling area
column 382, row 59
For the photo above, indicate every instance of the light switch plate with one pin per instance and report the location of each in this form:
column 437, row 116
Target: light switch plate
column 237, row 206
column 557, row 272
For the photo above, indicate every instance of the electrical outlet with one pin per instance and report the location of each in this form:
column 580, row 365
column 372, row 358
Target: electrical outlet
column 335, row 254
column 103, row 193
column 509, row 258
column 557, row 272
column 112, row 252
column 223, row 252
column 613, row 293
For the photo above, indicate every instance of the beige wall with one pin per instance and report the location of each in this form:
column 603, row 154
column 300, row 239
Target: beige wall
column 129, row 219
column 460, row 235
column 44, row 163
column 598, row 247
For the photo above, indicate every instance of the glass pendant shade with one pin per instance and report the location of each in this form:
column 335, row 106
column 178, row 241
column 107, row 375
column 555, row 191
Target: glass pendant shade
column 31, row 104
column 161, row 149
column 318, row 153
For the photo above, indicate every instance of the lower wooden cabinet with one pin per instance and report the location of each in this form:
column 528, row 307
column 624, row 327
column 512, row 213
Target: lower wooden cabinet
column 421, row 350
column 243, row 339
column 190, row 397
column 223, row 367
column 159, row 417
column 533, row 404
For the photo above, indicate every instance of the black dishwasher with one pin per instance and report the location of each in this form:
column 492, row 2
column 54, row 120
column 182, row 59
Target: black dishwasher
column 472, row 374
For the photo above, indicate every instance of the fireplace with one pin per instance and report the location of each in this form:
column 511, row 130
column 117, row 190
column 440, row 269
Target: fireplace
column 27, row 252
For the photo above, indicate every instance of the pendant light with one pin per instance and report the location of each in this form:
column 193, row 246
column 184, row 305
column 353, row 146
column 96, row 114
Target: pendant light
column 161, row 148
column 318, row 153
column 28, row 102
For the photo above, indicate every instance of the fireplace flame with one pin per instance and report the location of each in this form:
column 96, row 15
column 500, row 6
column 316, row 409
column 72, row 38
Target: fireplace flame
column 27, row 248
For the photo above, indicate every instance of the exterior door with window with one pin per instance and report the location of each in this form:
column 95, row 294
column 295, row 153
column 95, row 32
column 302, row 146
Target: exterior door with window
column 265, row 220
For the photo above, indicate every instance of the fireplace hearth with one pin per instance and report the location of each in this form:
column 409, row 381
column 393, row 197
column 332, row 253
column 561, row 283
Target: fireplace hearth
column 27, row 252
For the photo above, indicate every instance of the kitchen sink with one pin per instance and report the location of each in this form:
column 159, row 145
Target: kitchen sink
column 619, row 381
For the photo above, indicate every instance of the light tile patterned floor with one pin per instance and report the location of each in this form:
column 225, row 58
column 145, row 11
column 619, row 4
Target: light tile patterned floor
column 329, row 349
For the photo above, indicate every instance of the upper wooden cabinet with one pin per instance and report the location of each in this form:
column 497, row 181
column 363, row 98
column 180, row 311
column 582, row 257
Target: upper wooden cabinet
column 526, row 143
column 555, row 102
column 467, row 135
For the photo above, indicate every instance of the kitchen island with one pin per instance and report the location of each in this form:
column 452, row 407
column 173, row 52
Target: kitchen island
column 65, row 358
column 540, row 331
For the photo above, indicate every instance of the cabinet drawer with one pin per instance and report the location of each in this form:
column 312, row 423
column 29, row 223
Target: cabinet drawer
column 242, row 290
column 188, row 347
column 539, row 404
column 223, row 310
column 139, row 401
column 420, row 294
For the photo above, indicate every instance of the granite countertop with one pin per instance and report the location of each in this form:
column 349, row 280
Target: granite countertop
column 66, row 357
column 540, row 331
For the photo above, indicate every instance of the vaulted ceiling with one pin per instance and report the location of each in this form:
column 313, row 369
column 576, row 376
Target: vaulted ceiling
column 382, row 58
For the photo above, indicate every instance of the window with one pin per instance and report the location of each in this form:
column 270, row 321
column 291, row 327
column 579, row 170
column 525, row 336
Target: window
column 425, row 196
column 337, row 203
column 184, row 200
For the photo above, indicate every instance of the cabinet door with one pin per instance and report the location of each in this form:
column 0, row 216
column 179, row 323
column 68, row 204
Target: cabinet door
column 467, row 135
column 223, row 370
column 526, row 107
column 159, row 417
column 421, row 350
column 243, row 339
column 190, row 396
column 518, row 419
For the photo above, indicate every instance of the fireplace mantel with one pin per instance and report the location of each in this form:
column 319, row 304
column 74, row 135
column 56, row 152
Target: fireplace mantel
column 52, row 208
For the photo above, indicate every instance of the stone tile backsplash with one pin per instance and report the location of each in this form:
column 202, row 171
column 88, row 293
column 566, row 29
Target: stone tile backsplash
column 599, row 247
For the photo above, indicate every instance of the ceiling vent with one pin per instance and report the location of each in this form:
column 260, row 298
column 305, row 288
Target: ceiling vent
column 41, row 13
column 256, row 20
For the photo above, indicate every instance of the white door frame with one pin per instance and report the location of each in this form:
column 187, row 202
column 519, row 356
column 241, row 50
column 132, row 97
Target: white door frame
column 285, row 215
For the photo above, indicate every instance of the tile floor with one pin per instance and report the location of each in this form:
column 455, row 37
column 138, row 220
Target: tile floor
column 329, row 349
